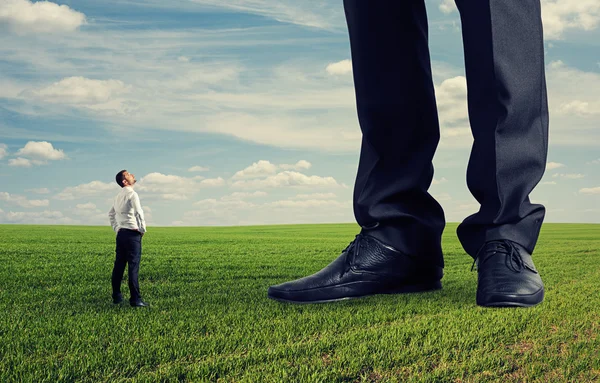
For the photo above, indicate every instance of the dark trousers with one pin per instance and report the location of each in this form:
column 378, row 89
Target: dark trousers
column 504, row 59
column 128, row 252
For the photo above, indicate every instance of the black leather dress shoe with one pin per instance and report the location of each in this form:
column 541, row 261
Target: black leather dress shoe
column 366, row 267
column 117, row 299
column 139, row 303
column 506, row 276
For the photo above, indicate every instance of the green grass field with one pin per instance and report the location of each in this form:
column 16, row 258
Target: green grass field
column 210, row 319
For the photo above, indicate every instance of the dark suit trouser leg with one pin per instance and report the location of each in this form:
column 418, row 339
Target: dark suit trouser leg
column 129, row 251
column 133, row 263
column 398, row 119
column 119, row 266
column 504, row 57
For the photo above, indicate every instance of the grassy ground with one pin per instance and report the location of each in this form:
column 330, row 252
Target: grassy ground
column 210, row 318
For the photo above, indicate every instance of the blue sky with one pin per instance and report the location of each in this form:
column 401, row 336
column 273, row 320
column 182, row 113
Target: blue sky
column 244, row 113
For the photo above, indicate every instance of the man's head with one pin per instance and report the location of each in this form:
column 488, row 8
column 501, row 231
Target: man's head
column 124, row 178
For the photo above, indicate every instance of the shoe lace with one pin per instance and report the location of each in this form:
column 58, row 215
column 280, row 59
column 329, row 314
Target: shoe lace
column 353, row 249
column 513, row 258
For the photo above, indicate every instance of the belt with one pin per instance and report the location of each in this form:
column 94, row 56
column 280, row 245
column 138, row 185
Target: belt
column 131, row 230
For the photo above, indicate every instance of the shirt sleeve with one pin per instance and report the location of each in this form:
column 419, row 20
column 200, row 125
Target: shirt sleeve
column 113, row 220
column 138, row 213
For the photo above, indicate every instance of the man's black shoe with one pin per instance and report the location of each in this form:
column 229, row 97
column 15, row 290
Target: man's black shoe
column 366, row 266
column 139, row 303
column 117, row 299
column 507, row 276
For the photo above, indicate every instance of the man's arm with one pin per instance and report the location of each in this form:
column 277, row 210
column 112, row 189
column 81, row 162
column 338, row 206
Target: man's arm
column 112, row 214
column 138, row 213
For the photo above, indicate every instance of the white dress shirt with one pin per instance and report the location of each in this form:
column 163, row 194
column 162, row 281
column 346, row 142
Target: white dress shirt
column 127, row 212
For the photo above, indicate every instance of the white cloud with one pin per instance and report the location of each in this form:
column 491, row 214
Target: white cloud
column 175, row 188
column 265, row 106
column 339, row 68
column 468, row 207
column 316, row 196
column 237, row 212
column 224, row 210
column 89, row 189
column 212, row 203
column 549, row 183
column 442, row 197
column 41, row 150
column 580, row 108
column 81, row 90
column 90, row 212
column 100, row 95
column 24, row 16
column 291, row 94
column 594, row 162
column 300, row 165
column 158, row 182
column 554, row 165
column 560, row 16
column 573, row 122
column 183, row 59
column 20, row 162
column 3, row 151
column 451, row 97
column 333, row 131
column 233, row 204
column 86, row 206
column 448, row 6
column 571, row 176
column 175, row 197
column 595, row 190
column 322, row 15
column 193, row 77
column 23, row 201
column 456, row 132
column 305, row 204
column 258, row 169
column 242, row 195
column 42, row 218
column 213, row 182
column 440, row 181
column 198, row 169
column 39, row 190
column 286, row 179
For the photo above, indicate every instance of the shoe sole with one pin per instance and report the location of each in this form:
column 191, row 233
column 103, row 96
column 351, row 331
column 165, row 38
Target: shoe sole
column 407, row 289
column 513, row 300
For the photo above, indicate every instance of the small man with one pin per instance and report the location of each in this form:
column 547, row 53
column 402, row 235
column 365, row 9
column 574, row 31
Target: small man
column 127, row 220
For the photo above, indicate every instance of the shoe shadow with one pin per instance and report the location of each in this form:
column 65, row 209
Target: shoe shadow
column 457, row 292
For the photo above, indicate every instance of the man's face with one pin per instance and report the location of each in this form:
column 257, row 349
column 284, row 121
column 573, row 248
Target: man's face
column 130, row 178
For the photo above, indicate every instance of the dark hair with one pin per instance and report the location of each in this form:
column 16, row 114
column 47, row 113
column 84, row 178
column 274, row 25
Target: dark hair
column 120, row 177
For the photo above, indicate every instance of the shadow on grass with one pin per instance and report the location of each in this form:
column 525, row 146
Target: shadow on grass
column 455, row 294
